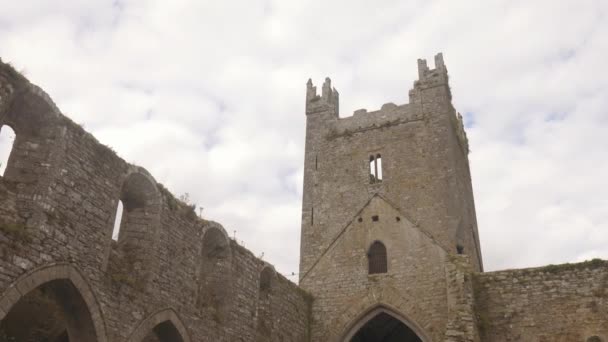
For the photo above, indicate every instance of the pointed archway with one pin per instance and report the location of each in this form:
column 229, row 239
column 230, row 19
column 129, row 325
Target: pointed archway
column 384, row 325
column 163, row 326
column 52, row 304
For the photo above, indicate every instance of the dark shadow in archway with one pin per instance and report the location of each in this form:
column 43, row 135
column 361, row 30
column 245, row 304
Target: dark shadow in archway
column 164, row 332
column 53, row 312
column 385, row 328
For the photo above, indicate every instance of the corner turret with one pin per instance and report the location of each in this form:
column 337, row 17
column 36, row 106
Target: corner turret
column 328, row 102
column 430, row 78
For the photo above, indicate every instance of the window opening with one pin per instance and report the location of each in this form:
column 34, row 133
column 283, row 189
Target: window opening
column 460, row 249
column 117, row 221
column 375, row 169
column 312, row 216
column 375, row 218
column 7, row 139
column 316, row 162
column 377, row 258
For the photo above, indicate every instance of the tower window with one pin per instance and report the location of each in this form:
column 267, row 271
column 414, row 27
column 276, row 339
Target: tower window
column 375, row 168
column 376, row 257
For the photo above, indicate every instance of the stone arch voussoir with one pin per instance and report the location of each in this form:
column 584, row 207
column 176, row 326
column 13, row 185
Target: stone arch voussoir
column 165, row 315
column 371, row 305
column 41, row 275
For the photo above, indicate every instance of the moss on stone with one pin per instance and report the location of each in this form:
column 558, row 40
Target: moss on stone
column 588, row 264
column 17, row 231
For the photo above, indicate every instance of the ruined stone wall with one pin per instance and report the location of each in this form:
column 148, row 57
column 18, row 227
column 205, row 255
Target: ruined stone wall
column 169, row 270
column 562, row 303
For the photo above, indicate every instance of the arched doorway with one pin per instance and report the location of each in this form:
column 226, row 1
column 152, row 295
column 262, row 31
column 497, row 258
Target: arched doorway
column 383, row 325
column 52, row 312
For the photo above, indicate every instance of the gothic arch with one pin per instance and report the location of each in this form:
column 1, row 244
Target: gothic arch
column 67, row 280
column 267, row 279
column 165, row 322
column 357, row 324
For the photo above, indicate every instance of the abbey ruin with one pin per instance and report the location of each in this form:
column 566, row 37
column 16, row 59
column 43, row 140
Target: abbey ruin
column 389, row 241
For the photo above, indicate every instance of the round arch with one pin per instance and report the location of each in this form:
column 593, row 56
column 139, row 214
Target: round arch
column 267, row 278
column 66, row 279
column 366, row 317
column 165, row 322
column 213, row 272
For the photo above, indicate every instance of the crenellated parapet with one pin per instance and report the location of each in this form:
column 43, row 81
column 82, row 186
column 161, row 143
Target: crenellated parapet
column 389, row 115
column 432, row 82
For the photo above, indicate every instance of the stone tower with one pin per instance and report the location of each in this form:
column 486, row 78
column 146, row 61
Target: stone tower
column 387, row 211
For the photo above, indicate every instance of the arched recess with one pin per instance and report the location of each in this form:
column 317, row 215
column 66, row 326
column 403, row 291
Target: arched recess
column 131, row 256
column 377, row 258
column 264, row 327
column 52, row 303
column 162, row 326
column 214, row 274
column 38, row 125
column 384, row 324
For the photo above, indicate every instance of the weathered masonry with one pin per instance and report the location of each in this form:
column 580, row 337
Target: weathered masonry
column 390, row 246
column 170, row 276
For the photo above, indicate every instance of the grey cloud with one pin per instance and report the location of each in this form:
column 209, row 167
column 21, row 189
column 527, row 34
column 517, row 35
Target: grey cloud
column 209, row 97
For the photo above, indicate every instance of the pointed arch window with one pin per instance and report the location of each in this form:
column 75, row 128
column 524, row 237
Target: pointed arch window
column 377, row 259
column 375, row 168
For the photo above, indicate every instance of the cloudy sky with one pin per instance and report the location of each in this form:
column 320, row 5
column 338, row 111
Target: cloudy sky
column 209, row 97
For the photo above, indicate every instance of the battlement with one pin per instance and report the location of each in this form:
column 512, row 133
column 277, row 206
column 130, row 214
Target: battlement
column 389, row 114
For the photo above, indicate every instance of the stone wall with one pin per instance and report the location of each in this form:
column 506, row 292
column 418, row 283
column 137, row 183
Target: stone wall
column 563, row 303
column 170, row 271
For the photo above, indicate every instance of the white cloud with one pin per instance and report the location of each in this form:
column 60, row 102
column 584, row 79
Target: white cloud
column 216, row 90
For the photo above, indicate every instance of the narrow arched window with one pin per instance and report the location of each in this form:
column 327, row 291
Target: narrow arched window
column 376, row 257
column 117, row 221
column 7, row 138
